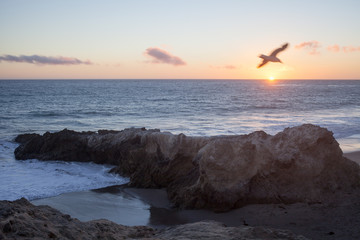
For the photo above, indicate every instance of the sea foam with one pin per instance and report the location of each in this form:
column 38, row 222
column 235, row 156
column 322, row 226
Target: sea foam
column 34, row 179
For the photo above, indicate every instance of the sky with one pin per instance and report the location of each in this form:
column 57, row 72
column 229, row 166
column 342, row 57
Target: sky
column 178, row 39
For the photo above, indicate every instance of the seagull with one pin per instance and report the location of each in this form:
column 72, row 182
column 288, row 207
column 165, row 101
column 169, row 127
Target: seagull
column 272, row 57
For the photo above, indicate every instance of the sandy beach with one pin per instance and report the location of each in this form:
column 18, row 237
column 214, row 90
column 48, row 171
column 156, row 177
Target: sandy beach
column 135, row 206
column 354, row 156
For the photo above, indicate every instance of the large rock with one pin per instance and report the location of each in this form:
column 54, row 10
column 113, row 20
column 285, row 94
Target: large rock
column 22, row 220
column 300, row 164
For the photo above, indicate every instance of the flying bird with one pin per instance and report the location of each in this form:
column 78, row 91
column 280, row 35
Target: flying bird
column 272, row 57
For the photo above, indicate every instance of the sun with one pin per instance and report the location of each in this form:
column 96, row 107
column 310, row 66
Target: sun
column 271, row 78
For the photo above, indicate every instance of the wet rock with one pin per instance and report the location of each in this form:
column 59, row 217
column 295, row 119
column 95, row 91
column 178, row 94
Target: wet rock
column 65, row 145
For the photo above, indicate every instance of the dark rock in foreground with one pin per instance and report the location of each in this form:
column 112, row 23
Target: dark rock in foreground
column 22, row 220
column 300, row 164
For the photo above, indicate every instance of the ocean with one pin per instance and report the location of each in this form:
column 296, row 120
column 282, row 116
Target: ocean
column 192, row 107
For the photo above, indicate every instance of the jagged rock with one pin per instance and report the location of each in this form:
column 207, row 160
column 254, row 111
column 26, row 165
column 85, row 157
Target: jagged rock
column 65, row 145
column 22, row 220
column 300, row 164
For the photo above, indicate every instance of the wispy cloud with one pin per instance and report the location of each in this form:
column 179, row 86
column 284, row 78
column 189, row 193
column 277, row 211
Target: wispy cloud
column 348, row 49
column 345, row 49
column 43, row 60
column 228, row 67
column 161, row 56
column 311, row 46
column 333, row 48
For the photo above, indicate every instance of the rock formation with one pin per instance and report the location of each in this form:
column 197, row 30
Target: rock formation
column 300, row 164
column 22, row 220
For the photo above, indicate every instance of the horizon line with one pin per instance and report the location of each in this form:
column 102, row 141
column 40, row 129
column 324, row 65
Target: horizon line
column 235, row 79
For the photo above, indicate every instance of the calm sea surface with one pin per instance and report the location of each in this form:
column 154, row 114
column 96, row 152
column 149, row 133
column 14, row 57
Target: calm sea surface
column 192, row 107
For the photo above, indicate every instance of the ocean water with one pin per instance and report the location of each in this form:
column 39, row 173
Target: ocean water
column 192, row 107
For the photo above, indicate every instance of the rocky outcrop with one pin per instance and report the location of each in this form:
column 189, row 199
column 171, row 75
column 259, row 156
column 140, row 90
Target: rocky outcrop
column 149, row 157
column 300, row 164
column 22, row 220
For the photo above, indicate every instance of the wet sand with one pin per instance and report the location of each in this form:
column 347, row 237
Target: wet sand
column 130, row 206
column 354, row 156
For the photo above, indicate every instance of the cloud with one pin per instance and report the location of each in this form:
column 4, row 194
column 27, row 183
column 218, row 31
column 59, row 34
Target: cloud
column 161, row 56
column 345, row 49
column 348, row 49
column 228, row 67
column 43, row 60
column 311, row 46
column 333, row 48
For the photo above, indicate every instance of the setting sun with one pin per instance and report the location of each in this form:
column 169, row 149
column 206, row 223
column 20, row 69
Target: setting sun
column 271, row 78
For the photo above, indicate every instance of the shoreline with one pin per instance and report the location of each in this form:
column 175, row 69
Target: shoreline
column 150, row 207
column 353, row 156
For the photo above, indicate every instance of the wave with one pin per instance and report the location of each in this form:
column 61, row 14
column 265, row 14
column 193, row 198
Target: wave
column 73, row 113
column 48, row 113
column 34, row 179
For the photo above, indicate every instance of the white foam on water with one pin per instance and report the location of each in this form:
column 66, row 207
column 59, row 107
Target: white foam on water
column 34, row 179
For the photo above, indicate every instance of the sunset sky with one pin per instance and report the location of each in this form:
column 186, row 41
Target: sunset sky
column 173, row 39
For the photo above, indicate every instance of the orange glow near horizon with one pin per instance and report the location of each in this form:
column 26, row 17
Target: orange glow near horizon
column 127, row 70
column 169, row 46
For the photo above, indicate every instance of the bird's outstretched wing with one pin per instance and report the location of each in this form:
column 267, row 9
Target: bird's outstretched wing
column 263, row 63
column 276, row 51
